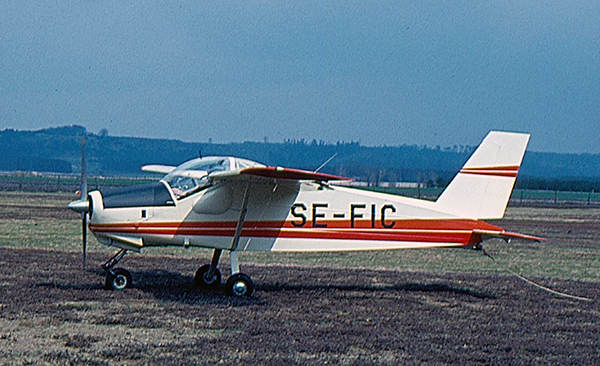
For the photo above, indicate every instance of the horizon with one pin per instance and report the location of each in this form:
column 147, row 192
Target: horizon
column 287, row 141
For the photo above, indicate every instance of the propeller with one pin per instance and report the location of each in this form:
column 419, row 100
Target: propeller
column 83, row 198
column 83, row 204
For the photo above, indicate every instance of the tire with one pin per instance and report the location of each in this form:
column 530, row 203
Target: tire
column 119, row 280
column 207, row 283
column 239, row 285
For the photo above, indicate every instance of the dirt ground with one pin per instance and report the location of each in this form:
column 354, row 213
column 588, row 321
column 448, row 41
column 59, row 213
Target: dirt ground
column 55, row 313
column 52, row 312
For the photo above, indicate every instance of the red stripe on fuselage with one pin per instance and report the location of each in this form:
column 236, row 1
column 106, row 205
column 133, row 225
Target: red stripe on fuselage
column 430, row 231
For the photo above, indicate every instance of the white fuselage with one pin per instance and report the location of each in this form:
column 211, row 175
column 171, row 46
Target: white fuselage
column 284, row 216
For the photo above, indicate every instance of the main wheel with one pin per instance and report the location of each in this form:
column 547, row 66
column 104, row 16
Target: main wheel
column 119, row 280
column 208, row 282
column 239, row 285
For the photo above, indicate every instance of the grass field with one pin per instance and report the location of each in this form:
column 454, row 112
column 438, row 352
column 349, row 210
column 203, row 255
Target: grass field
column 572, row 250
column 425, row 307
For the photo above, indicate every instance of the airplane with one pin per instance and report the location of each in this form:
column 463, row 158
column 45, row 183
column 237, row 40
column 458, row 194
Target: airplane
column 233, row 204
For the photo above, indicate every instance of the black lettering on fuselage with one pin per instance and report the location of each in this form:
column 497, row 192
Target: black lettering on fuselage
column 353, row 214
column 373, row 216
column 391, row 223
column 298, row 211
column 299, row 215
column 316, row 215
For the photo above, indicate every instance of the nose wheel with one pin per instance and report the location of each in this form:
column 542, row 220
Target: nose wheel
column 117, row 278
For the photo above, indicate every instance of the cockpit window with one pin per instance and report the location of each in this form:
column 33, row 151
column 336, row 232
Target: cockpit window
column 244, row 163
column 184, row 186
column 192, row 176
column 209, row 164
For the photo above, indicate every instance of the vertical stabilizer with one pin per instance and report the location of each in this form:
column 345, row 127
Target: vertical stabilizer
column 483, row 186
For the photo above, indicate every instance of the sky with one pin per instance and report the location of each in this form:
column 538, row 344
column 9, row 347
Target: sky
column 377, row 72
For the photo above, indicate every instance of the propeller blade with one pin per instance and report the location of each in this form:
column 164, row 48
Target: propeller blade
column 83, row 198
column 84, row 236
column 84, row 190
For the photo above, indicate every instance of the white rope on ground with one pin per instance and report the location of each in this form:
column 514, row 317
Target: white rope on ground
column 557, row 293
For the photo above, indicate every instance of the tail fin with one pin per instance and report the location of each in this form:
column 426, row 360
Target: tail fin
column 483, row 186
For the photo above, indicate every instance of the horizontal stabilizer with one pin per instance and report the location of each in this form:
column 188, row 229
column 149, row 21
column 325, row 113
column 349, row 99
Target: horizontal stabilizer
column 156, row 168
column 506, row 235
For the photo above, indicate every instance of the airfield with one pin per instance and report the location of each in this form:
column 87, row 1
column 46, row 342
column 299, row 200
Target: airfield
column 435, row 306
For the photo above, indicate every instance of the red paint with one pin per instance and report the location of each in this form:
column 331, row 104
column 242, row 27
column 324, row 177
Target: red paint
column 286, row 173
column 497, row 171
column 426, row 231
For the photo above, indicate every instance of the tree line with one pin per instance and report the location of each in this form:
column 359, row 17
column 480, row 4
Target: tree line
column 58, row 150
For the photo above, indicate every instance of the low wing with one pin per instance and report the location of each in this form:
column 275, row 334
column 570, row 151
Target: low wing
column 277, row 173
column 156, row 168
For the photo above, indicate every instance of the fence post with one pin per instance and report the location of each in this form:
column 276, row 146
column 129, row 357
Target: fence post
column 521, row 198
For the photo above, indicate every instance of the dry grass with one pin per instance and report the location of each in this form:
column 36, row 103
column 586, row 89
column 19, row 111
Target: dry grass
column 437, row 306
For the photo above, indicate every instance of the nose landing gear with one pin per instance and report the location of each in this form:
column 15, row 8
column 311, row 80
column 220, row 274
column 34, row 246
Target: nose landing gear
column 117, row 278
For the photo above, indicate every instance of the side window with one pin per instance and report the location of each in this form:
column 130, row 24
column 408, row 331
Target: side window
column 192, row 176
column 218, row 166
column 184, row 186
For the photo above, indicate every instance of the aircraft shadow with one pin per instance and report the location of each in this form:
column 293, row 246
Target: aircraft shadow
column 406, row 287
column 175, row 287
column 172, row 286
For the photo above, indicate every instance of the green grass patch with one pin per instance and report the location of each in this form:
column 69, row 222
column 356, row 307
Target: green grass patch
column 55, row 234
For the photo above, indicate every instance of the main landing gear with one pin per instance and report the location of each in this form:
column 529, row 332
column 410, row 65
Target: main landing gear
column 238, row 284
column 117, row 278
column 209, row 276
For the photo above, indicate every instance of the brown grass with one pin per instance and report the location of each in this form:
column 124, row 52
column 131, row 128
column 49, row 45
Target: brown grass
column 384, row 308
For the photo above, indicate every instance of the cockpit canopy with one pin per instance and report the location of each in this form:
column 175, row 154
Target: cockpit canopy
column 192, row 176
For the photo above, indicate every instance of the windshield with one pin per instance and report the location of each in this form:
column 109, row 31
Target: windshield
column 192, row 176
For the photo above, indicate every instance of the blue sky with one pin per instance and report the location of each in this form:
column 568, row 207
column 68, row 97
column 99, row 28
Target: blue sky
column 378, row 72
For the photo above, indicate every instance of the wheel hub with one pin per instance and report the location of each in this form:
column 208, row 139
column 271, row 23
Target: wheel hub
column 120, row 281
column 240, row 288
column 209, row 279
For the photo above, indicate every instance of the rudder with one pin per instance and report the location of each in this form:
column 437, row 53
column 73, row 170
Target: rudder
column 483, row 186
